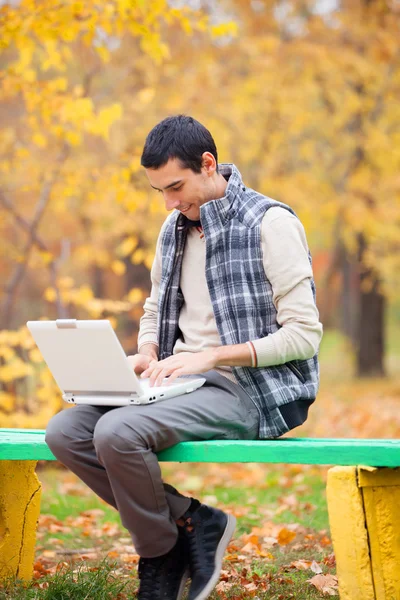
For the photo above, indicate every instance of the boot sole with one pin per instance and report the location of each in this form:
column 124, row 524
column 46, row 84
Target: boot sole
column 182, row 585
column 219, row 555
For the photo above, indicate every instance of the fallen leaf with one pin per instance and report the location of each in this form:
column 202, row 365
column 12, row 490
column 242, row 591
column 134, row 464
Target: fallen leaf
column 325, row 541
column 49, row 553
column 315, row 568
column 301, row 565
column 250, row 587
column 269, row 541
column 330, row 560
column 224, row 586
column 327, row 584
column 93, row 513
column 285, row 536
column 249, row 548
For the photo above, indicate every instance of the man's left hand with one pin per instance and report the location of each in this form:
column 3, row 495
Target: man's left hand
column 183, row 363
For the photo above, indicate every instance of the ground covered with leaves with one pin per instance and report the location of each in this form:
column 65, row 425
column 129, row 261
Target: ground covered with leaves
column 281, row 548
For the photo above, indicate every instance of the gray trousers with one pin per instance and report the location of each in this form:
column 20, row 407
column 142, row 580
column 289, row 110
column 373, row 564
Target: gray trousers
column 113, row 451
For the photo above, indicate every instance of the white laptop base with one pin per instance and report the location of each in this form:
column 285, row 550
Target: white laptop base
column 179, row 387
column 90, row 366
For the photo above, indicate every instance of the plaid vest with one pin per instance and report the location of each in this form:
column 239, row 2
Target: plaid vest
column 241, row 296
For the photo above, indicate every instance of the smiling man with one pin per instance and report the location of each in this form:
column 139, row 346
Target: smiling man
column 233, row 299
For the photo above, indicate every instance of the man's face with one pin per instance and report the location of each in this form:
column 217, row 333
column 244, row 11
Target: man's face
column 182, row 188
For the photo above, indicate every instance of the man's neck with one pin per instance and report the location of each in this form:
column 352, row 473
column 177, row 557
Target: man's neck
column 220, row 186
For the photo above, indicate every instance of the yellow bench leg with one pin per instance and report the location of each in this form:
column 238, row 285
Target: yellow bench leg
column 20, row 492
column 364, row 515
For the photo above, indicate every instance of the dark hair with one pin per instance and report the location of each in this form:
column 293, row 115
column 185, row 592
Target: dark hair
column 178, row 137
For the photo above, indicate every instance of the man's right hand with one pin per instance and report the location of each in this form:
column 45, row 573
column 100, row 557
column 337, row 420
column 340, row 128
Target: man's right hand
column 140, row 362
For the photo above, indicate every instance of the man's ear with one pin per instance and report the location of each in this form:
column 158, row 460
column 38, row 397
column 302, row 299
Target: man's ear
column 209, row 163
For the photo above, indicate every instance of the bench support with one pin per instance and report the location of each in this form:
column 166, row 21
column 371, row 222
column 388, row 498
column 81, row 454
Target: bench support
column 20, row 492
column 364, row 515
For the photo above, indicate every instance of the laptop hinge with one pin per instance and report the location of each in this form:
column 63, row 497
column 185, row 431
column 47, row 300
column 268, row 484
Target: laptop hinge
column 66, row 323
column 70, row 395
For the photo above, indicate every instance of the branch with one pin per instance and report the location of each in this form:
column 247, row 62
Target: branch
column 11, row 287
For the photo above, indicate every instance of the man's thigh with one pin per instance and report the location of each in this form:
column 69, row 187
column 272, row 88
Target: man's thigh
column 220, row 409
column 76, row 422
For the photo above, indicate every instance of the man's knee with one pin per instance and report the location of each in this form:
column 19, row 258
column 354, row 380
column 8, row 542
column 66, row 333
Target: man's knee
column 54, row 433
column 61, row 431
column 113, row 436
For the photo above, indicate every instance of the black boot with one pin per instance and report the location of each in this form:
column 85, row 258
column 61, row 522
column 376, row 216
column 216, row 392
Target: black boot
column 164, row 577
column 208, row 532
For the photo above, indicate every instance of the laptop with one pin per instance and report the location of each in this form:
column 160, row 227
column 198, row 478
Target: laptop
column 90, row 366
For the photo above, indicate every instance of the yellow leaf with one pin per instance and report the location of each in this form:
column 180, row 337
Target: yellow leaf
column 29, row 75
column 118, row 267
column 135, row 295
column 15, row 370
column 39, row 140
column 229, row 28
column 127, row 246
column 35, row 356
column 73, row 137
column 47, row 257
column 148, row 261
column 6, row 401
column 6, row 353
column 104, row 53
column 50, row 294
column 285, row 536
column 101, row 124
column 84, row 294
column 138, row 256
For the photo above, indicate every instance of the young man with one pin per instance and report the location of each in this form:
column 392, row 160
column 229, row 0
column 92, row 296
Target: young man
column 232, row 298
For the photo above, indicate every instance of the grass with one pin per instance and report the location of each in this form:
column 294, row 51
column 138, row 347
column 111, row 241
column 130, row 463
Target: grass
column 252, row 488
column 71, row 582
column 80, row 582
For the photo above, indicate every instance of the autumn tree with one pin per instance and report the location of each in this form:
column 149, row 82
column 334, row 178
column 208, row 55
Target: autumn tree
column 302, row 96
column 305, row 100
column 73, row 221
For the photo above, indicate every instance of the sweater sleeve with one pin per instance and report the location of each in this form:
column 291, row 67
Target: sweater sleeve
column 287, row 267
column 148, row 322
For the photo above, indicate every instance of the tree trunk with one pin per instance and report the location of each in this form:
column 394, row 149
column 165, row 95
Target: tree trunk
column 371, row 326
column 350, row 297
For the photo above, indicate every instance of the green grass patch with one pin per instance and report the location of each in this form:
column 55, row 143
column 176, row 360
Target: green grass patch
column 77, row 582
column 310, row 510
column 270, row 489
column 61, row 504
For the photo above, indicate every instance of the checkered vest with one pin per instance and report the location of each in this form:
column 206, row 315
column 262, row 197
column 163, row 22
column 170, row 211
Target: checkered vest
column 240, row 293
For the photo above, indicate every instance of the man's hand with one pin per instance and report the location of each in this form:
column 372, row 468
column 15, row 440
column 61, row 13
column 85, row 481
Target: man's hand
column 140, row 362
column 183, row 363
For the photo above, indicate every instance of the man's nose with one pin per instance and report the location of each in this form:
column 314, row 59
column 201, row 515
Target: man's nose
column 170, row 202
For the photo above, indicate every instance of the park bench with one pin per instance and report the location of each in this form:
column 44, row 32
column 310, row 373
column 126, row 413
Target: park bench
column 363, row 494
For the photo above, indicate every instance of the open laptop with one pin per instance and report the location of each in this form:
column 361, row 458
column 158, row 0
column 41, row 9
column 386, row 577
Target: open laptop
column 90, row 366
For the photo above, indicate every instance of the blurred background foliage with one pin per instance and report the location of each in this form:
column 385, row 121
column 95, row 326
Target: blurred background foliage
column 302, row 95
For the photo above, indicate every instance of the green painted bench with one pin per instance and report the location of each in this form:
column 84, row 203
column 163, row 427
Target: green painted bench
column 363, row 494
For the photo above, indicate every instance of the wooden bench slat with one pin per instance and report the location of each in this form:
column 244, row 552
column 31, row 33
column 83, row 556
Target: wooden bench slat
column 31, row 445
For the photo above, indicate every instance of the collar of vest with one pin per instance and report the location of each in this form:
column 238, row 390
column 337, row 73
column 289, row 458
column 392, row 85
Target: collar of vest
column 225, row 208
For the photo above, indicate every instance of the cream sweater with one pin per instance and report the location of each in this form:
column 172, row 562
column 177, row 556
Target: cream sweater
column 286, row 265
